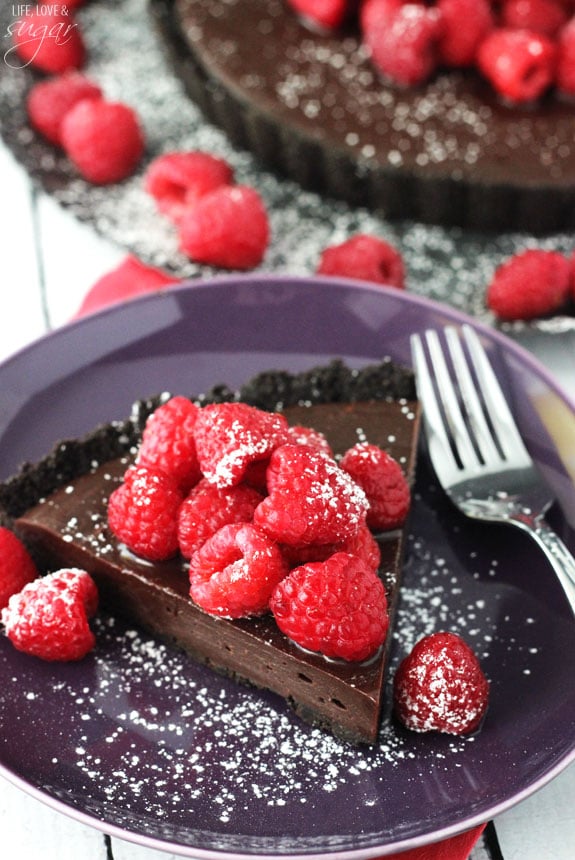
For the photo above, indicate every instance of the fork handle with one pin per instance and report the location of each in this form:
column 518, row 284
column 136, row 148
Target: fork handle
column 559, row 557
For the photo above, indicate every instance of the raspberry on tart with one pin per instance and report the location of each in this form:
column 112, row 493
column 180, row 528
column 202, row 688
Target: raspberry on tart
column 49, row 101
column 17, row 567
column 530, row 284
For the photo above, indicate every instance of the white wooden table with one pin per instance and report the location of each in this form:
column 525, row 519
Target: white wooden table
column 47, row 262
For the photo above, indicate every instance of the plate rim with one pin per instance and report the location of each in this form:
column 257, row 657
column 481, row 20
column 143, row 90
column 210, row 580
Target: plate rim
column 227, row 281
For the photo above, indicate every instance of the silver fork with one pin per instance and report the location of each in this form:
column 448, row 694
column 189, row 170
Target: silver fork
column 475, row 447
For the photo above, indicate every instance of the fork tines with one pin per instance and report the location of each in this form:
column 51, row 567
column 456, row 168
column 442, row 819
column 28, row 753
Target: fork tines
column 465, row 410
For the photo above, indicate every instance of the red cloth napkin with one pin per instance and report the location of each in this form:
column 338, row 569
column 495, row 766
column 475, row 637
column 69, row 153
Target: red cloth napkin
column 457, row 848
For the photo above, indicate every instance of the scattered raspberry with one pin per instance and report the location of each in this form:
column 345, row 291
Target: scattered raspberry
column 325, row 14
column 383, row 482
column 143, row 513
column 16, row 566
column 231, row 436
column 311, row 500
column 309, row 436
column 519, row 64
column 464, row 25
column 530, row 284
column 540, row 16
column 207, row 509
column 440, row 687
column 228, row 227
column 130, row 279
column 565, row 73
column 168, row 443
column 374, row 14
column 234, row 573
column 49, row 101
column 337, row 607
column 365, row 257
column 177, row 180
column 49, row 41
column 49, row 617
column 103, row 139
column 403, row 44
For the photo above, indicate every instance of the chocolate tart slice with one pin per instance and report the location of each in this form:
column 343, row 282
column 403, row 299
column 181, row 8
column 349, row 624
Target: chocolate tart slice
column 68, row 527
column 312, row 107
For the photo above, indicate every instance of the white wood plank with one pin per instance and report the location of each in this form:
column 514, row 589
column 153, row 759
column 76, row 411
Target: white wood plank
column 73, row 258
column 21, row 317
column 32, row 830
column 543, row 826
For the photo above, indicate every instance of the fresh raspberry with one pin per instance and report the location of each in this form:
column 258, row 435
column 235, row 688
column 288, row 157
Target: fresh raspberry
column 301, row 435
column 324, row 14
column 49, row 617
column 231, row 436
column 440, row 686
column 362, row 544
column 374, row 14
column 540, row 16
column 311, row 500
column 337, row 607
column 384, row 483
column 49, row 101
column 143, row 513
column 403, row 45
column 234, row 573
column 207, row 509
column 16, row 566
column 103, row 139
column 365, row 257
column 128, row 280
column 464, row 25
column 177, row 180
column 519, row 64
column 228, row 227
column 49, row 41
column 529, row 284
column 168, row 443
column 565, row 72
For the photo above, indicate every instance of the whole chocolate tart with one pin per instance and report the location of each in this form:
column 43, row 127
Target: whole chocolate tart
column 58, row 507
column 311, row 106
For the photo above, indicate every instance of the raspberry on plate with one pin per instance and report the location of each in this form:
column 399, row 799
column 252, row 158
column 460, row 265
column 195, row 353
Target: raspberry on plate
column 168, row 442
column 50, row 41
column 365, row 257
column 143, row 513
column 519, row 64
column 16, row 565
column 49, row 101
column 128, row 280
column 208, row 508
column 440, row 687
column 529, row 284
column 177, row 180
column 227, row 227
column 311, row 500
column 403, row 43
column 382, row 479
column 337, row 607
column 49, row 617
column 234, row 573
column 232, row 436
column 103, row 139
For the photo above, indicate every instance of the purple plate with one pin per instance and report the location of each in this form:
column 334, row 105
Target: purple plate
column 140, row 742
